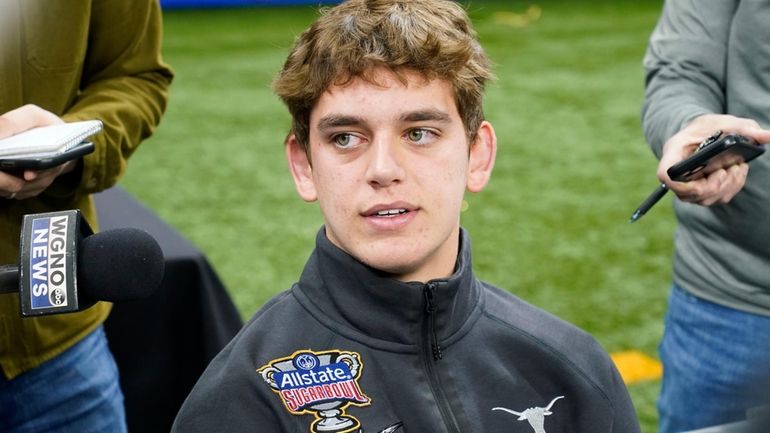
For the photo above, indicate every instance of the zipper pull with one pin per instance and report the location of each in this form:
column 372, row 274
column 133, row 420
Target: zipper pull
column 430, row 308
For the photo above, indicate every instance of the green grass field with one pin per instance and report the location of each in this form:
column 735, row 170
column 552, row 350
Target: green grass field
column 552, row 227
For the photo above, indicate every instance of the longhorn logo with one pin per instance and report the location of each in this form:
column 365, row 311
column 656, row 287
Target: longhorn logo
column 534, row 415
column 391, row 428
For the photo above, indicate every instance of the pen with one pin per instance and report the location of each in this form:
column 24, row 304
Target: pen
column 658, row 194
column 649, row 202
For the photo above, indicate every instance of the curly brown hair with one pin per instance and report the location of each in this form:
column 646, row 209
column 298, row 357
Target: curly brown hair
column 352, row 39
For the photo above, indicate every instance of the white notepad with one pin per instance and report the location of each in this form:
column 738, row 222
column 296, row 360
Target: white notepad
column 48, row 140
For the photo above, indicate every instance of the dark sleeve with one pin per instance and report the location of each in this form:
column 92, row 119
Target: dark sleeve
column 228, row 397
column 685, row 66
column 231, row 396
column 593, row 361
column 625, row 418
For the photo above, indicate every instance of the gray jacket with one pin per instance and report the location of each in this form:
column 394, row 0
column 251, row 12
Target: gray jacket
column 348, row 349
column 713, row 56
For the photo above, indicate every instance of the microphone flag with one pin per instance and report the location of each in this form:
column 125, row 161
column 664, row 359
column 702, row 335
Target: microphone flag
column 48, row 262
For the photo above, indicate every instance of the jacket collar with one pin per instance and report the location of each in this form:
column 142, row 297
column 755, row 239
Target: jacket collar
column 359, row 300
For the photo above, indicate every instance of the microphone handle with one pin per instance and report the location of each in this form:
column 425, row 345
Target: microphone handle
column 9, row 279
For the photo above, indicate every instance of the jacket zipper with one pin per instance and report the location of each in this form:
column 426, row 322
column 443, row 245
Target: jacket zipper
column 432, row 353
column 430, row 309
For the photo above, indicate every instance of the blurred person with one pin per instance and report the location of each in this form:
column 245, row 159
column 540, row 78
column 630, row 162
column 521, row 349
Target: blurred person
column 63, row 62
column 707, row 69
column 388, row 329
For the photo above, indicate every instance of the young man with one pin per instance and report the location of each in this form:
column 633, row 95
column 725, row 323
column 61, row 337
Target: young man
column 388, row 329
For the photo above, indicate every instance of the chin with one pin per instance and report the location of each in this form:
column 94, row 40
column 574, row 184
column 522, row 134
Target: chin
column 390, row 265
column 402, row 259
column 402, row 267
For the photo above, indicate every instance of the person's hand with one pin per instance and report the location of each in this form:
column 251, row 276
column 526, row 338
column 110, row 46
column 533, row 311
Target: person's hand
column 28, row 183
column 722, row 185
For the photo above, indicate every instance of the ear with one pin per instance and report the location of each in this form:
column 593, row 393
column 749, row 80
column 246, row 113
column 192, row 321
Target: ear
column 301, row 169
column 482, row 157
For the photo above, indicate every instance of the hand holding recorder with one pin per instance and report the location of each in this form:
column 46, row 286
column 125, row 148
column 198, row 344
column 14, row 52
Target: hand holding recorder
column 26, row 172
column 711, row 172
column 726, row 157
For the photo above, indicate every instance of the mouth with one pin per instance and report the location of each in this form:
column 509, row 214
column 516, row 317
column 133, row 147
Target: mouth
column 389, row 213
column 389, row 210
column 391, row 218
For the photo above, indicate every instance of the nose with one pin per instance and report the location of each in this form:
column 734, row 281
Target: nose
column 385, row 164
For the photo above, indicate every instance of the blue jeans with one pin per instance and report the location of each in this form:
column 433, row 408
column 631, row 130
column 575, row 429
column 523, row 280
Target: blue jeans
column 76, row 392
column 716, row 364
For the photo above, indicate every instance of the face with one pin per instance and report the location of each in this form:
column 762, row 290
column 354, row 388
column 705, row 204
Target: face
column 389, row 165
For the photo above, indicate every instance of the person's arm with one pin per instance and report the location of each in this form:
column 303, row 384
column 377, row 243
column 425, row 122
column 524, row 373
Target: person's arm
column 685, row 68
column 125, row 85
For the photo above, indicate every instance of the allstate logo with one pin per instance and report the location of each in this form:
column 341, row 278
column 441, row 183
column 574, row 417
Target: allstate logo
column 319, row 383
column 305, row 361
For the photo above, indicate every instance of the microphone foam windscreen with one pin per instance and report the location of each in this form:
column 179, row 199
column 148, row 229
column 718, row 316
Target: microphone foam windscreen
column 119, row 265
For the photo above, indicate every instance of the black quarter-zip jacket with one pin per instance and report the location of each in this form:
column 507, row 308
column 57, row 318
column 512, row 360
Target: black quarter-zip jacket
column 348, row 349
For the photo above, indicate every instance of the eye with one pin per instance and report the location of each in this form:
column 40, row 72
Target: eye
column 416, row 134
column 421, row 136
column 345, row 141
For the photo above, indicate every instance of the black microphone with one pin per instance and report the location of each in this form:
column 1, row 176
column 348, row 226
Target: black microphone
column 64, row 268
